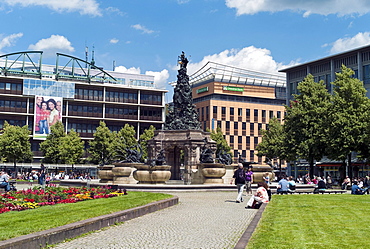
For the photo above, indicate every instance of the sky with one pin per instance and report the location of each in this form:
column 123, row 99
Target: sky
column 147, row 36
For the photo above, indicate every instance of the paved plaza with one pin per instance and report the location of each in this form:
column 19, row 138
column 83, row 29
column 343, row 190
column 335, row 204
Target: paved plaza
column 200, row 220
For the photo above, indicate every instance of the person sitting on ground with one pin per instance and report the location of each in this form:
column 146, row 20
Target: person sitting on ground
column 356, row 190
column 291, row 184
column 283, row 186
column 4, row 181
column 261, row 196
column 321, row 186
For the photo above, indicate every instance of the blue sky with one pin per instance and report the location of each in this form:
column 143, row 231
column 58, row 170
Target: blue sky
column 146, row 36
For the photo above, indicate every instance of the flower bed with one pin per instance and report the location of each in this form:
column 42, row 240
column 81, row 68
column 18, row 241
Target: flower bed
column 37, row 197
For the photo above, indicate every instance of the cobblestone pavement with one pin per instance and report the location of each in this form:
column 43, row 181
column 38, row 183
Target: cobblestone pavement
column 200, row 220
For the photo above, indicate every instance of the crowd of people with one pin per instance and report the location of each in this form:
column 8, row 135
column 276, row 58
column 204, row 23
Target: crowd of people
column 243, row 178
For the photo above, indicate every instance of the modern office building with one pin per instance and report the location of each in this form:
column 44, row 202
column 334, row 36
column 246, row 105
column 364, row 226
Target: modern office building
column 324, row 69
column 241, row 102
column 83, row 96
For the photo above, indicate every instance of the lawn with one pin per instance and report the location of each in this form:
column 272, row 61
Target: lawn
column 314, row 221
column 15, row 223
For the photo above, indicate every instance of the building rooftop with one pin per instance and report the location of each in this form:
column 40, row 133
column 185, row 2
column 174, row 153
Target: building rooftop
column 222, row 73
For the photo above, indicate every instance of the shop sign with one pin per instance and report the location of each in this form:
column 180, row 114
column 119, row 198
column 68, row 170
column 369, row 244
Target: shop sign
column 233, row 88
column 202, row 90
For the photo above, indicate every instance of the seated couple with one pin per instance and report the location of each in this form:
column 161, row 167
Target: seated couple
column 356, row 190
column 285, row 186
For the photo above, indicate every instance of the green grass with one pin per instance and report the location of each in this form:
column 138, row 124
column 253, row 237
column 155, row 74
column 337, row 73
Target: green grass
column 314, row 221
column 15, row 224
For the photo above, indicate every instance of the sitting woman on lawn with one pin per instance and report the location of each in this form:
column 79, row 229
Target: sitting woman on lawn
column 261, row 196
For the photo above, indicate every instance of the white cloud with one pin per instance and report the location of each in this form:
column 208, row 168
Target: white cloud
column 307, row 7
column 250, row 58
column 348, row 43
column 84, row 7
column 9, row 40
column 52, row 45
column 160, row 78
column 123, row 69
column 182, row 1
column 114, row 41
column 142, row 28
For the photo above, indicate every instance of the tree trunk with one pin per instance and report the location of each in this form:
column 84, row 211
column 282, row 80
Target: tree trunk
column 311, row 162
column 350, row 172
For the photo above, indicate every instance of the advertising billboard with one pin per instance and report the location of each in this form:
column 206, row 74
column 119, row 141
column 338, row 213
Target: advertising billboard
column 48, row 111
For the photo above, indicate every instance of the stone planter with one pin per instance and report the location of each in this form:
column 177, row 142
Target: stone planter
column 259, row 171
column 105, row 174
column 213, row 172
column 146, row 174
column 121, row 172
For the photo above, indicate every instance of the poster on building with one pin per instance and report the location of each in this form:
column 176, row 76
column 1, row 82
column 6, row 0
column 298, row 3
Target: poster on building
column 48, row 111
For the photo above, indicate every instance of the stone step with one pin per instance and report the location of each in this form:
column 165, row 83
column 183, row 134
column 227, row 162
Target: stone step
column 175, row 182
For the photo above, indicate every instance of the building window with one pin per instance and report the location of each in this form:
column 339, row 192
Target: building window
column 255, row 142
column 219, row 124
column 278, row 115
column 271, row 114
column 235, row 125
column 251, row 155
column 231, row 111
column 248, row 114
column 215, row 112
column 231, row 139
column 223, row 110
column 240, row 112
column 255, row 115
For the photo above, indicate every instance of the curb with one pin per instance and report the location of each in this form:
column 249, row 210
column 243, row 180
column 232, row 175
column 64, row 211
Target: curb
column 59, row 234
column 243, row 241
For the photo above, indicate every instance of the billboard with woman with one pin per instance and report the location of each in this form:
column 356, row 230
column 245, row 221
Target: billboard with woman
column 48, row 111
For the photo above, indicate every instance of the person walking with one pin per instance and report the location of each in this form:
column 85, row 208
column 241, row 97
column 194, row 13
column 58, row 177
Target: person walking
column 249, row 180
column 239, row 176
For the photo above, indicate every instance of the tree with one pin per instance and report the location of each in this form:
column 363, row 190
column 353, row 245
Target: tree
column 349, row 117
column 71, row 148
column 102, row 147
column 306, row 122
column 125, row 140
column 273, row 142
column 50, row 147
column 15, row 144
column 221, row 142
column 143, row 140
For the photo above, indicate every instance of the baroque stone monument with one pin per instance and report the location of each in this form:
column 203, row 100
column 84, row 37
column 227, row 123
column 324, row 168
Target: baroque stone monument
column 181, row 140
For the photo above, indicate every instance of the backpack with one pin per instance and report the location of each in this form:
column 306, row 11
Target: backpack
column 240, row 176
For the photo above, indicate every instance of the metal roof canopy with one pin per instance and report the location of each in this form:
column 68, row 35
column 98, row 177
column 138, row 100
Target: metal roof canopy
column 229, row 74
column 87, row 70
column 23, row 58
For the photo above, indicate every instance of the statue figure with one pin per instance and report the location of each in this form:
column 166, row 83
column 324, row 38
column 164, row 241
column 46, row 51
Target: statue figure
column 160, row 160
column 224, row 157
column 206, row 155
column 182, row 115
column 133, row 154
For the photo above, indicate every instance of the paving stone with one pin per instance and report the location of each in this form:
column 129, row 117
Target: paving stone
column 200, row 220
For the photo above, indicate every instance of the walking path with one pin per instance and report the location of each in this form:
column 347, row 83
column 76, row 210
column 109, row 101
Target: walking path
column 200, row 220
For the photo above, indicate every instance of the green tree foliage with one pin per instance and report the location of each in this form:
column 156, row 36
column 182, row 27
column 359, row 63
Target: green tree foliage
column 306, row 122
column 71, row 148
column 349, row 117
column 143, row 140
column 50, row 147
column 15, row 143
column 102, row 147
column 273, row 141
column 219, row 138
column 125, row 139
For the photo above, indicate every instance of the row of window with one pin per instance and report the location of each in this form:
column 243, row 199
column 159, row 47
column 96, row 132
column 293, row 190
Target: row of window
column 121, row 97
